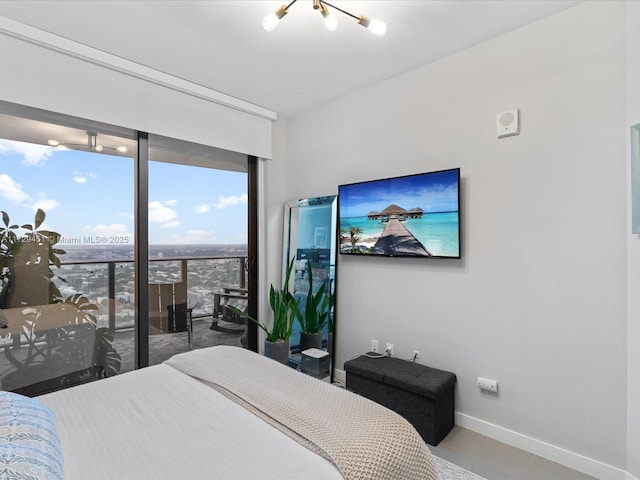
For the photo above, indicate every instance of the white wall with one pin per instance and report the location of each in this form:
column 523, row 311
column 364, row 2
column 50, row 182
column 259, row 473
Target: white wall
column 45, row 71
column 275, row 195
column 538, row 301
column 633, row 252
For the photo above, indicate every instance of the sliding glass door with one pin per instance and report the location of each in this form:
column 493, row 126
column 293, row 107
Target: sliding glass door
column 66, row 249
column 198, row 248
column 118, row 249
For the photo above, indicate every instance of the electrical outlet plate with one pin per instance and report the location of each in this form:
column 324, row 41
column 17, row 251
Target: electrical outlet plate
column 488, row 385
column 389, row 349
column 416, row 354
column 374, row 346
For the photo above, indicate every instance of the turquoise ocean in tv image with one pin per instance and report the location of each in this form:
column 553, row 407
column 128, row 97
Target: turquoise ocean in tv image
column 438, row 232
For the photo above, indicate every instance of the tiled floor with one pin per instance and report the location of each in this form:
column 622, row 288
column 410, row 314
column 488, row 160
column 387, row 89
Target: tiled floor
column 498, row 461
column 163, row 346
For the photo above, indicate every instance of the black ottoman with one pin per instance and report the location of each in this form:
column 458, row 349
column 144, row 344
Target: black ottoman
column 422, row 395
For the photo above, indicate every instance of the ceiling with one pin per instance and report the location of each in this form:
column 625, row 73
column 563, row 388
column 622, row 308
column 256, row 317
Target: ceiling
column 298, row 66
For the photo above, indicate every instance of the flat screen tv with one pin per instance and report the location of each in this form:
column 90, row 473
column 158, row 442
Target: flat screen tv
column 410, row 216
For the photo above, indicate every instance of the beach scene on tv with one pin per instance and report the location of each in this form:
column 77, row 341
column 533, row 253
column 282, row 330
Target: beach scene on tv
column 416, row 215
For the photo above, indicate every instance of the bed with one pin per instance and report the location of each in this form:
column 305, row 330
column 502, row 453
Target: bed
column 226, row 413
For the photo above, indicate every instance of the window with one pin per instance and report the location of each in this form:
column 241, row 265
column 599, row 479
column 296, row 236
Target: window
column 70, row 266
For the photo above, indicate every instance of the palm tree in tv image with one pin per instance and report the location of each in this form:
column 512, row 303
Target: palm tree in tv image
column 353, row 235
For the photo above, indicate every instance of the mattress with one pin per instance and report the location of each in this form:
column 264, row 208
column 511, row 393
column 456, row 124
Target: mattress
column 158, row 423
column 227, row 413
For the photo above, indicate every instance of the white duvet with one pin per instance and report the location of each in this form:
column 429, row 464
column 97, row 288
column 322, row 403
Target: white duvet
column 157, row 423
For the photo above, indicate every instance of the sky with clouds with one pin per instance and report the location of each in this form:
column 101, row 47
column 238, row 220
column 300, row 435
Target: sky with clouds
column 433, row 192
column 89, row 195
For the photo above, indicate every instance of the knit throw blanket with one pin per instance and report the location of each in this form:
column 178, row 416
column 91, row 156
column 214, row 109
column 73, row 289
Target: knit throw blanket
column 363, row 439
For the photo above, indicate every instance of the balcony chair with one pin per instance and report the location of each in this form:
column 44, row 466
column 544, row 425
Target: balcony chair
column 225, row 320
column 169, row 310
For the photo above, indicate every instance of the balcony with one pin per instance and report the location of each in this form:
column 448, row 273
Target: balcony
column 110, row 286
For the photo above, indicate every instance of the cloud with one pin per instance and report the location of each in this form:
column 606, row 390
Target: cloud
column 80, row 177
column 224, row 202
column 202, row 208
column 193, row 237
column 11, row 191
column 128, row 215
column 173, row 223
column 112, row 233
column 46, row 204
column 171, row 203
column 159, row 212
column 32, row 155
column 109, row 229
column 198, row 234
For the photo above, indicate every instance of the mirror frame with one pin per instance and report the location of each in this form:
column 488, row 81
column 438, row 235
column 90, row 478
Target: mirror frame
column 289, row 249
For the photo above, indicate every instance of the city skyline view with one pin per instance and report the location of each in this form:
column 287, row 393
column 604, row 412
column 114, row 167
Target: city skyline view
column 88, row 197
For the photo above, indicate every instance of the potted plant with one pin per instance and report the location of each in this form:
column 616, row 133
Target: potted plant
column 330, row 322
column 284, row 307
column 316, row 313
column 18, row 277
column 18, row 253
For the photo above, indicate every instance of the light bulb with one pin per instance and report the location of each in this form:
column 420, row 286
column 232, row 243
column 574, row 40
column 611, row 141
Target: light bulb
column 122, row 149
column 270, row 22
column 53, row 143
column 378, row 27
column 331, row 23
column 99, row 148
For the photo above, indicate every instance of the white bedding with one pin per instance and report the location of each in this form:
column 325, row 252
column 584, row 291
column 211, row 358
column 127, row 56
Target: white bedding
column 157, row 423
column 365, row 440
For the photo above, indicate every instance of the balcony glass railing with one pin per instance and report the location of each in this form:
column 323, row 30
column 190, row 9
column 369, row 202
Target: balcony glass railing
column 110, row 284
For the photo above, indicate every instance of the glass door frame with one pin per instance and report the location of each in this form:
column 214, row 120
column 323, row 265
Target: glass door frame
column 141, row 257
column 253, row 260
column 141, row 229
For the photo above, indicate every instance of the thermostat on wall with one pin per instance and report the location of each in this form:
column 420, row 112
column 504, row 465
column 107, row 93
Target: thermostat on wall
column 508, row 123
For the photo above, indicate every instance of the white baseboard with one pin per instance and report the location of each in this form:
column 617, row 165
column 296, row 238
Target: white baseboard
column 565, row 457
column 569, row 459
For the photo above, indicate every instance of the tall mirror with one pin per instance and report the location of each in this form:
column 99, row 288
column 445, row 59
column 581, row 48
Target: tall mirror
column 310, row 240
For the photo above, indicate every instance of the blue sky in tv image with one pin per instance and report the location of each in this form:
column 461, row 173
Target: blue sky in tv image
column 89, row 197
column 435, row 193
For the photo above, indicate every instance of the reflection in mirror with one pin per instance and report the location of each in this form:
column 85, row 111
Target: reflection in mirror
column 310, row 238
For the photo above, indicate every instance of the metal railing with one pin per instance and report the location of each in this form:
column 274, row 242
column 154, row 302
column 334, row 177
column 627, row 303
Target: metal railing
column 110, row 283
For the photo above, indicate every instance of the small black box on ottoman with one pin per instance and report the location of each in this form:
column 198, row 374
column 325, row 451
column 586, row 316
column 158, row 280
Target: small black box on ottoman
column 422, row 395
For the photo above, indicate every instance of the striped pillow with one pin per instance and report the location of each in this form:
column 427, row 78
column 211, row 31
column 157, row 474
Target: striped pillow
column 29, row 443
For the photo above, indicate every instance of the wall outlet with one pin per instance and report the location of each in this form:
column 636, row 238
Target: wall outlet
column 416, row 354
column 374, row 346
column 389, row 349
column 488, row 385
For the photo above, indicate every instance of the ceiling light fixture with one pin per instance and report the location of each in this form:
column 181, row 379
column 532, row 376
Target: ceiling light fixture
column 92, row 145
column 377, row 27
column 92, row 142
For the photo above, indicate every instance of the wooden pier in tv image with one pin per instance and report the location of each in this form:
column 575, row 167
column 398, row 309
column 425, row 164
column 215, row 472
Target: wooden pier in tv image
column 397, row 240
